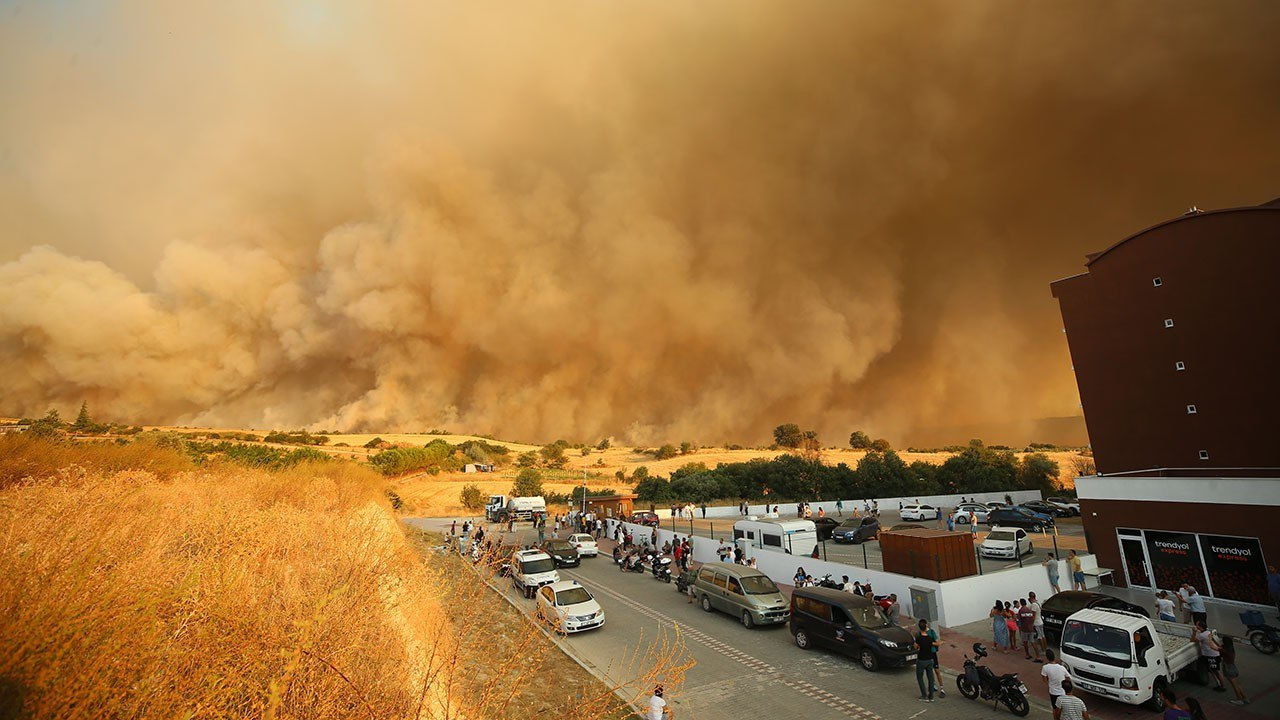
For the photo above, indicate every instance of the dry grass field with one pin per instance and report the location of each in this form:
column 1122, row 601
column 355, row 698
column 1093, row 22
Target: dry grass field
column 139, row 585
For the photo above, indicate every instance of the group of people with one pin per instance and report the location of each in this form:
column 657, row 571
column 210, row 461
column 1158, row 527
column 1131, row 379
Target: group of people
column 1076, row 568
column 1011, row 618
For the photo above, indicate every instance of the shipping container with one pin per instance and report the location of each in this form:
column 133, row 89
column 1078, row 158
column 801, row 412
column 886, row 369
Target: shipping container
column 925, row 553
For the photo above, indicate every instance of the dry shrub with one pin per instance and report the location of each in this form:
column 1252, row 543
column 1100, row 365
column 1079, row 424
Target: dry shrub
column 24, row 455
column 230, row 592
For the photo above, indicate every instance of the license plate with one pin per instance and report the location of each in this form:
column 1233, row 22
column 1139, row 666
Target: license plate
column 1023, row 689
column 911, row 656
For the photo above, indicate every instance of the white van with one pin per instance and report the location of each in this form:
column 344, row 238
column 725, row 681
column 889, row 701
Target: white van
column 797, row 537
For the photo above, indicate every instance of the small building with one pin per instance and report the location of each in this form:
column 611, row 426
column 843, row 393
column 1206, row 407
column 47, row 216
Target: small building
column 14, row 428
column 610, row 505
column 476, row 467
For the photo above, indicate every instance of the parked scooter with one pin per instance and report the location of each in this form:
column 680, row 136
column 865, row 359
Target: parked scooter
column 980, row 680
column 1264, row 638
column 662, row 568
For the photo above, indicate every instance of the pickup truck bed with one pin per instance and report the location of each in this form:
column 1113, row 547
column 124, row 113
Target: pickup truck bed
column 1179, row 650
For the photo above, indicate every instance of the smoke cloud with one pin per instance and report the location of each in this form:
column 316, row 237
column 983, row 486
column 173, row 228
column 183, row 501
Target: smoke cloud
column 652, row 220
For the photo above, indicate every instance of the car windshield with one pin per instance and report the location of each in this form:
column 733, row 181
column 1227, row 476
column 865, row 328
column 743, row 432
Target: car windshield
column 581, row 538
column 758, row 585
column 1000, row 535
column 1067, row 604
column 851, row 523
column 868, row 616
column 1026, row 512
column 1097, row 643
column 572, row 596
column 559, row 545
column 540, row 565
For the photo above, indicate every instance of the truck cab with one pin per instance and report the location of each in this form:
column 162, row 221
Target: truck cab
column 495, row 508
column 1125, row 656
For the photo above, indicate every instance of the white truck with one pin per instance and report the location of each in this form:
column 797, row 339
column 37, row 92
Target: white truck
column 500, row 508
column 531, row 569
column 1126, row 656
column 798, row 537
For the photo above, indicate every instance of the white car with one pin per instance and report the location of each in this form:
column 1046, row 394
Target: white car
column 585, row 544
column 920, row 512
column 1005, row 542
column 569, row 607
column 963, row 511
column 531, row 569
column 1072, row 505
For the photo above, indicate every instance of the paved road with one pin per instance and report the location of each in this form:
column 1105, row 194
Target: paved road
column 759, row 671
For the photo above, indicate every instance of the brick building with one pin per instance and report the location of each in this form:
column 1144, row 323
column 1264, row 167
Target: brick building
column 1174, row 335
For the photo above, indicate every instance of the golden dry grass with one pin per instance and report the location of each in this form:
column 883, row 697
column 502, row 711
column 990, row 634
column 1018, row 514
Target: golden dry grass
column 226, row 592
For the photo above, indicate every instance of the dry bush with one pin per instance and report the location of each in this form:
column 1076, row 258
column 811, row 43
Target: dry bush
column 25, row 455
column 230, row 592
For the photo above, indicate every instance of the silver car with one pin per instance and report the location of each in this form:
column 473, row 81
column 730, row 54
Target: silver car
column 745, row 593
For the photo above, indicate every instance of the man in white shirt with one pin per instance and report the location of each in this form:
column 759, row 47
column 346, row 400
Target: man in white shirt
column 1039, row 621
column 657, row 707
column 1069, row 706
column 1053, row 673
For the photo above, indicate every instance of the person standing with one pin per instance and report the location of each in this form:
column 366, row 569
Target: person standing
column 704, row 511
column 1273, row 585
column 1077, row 572
column 1069, row 706
column 893, row 612
column 1011, row 621
column 1038, row 626
column 1230, row 671
column 926, row 660
column 1210, row 652
column 1053, row 673
column 999, row 629
column 840, row 509
column 1195, row 602
column 675, row 553
column 657, row 709
column 1164, row 607
column 1027, row 626
column 951, row 523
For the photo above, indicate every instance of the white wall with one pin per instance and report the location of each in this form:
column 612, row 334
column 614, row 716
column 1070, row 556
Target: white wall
column 945, row 501
column 967, row 599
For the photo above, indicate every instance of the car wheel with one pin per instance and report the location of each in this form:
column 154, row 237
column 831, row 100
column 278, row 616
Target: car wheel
column 747, row 621
column 1156, row 702
column 706, row 603
column 1037, row 528
column 869, row 660
column 802, row 639
column 962, row 520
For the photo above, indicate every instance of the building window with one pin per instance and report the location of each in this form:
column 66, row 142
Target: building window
column 1157, row 282
column 1179, row 365
column 1204, row 454
column 1191, row 409
column 1168, row 322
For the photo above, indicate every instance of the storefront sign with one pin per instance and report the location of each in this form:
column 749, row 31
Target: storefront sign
column 1175, row 559
column 1236, row 569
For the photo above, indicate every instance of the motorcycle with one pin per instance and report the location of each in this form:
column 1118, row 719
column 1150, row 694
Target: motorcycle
column 1264, row 638
column 662, row 569
column 632, row 563
column 826, row 582
column 980, row 680
column 682, row 582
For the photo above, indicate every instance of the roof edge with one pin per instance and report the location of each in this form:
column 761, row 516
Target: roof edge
column 1273, row 206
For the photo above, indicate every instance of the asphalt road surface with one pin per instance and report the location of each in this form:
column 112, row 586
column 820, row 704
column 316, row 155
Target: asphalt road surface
column 759, row 671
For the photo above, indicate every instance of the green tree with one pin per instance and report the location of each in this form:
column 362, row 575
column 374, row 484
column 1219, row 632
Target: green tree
column 810, row 444
column 1038, row 471
column 666, row 451
column 686, row 447
column 859, row 440
column 553, row 454
column 471, row 498
column 603, row 444
column 48, row 426
column 528, row 483
column 881, row 445
column 376, row 442
column 83, row 421
column 640, row 473
column 787, row 435
column 527, row 459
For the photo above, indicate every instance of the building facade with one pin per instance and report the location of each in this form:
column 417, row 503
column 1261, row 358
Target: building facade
column 1174, row 335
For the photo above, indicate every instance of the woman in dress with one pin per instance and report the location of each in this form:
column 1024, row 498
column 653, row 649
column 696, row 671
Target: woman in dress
column 999, row 629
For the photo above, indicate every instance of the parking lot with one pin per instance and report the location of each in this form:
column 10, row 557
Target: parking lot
column 1069, row 535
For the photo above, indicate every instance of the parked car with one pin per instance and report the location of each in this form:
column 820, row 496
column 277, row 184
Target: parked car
column 1045, row 508
column 1058, row 608
column 920, row 512
column 1019, row 517
column 531, row 569
column 1068, row 503
column 824, row 526
column 964, row 509
column 744, row 592
column 584, row 544
column 568, row 607
column 856, row 530
column 849, row 624
column 563, row 552
column 644, row 517
column 1005, row 542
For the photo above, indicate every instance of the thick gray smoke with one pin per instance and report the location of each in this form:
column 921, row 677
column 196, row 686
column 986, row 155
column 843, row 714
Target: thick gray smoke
column 654, row 220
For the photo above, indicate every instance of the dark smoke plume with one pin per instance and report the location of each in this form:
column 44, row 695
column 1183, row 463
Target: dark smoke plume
column 647, row 219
